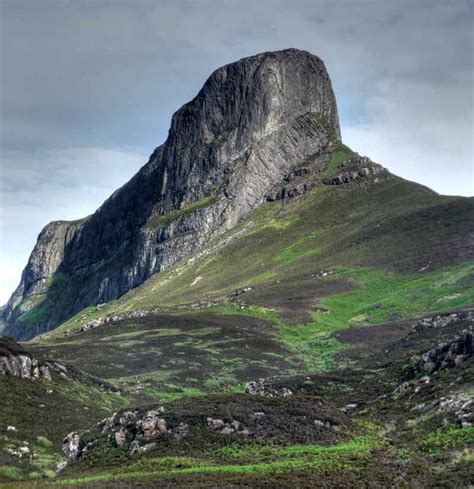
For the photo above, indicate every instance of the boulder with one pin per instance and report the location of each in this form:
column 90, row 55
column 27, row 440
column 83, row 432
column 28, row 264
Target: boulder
column 264, row 387
column 447, row 354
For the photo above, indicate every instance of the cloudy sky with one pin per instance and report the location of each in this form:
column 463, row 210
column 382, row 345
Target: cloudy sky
column 87, row 90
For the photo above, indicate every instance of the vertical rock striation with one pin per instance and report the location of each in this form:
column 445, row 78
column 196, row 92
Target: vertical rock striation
column 252, row 123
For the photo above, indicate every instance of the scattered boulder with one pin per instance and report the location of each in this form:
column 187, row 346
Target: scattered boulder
column 19, row 451
column 461, row 405
column 219, row 426
column 95, row 323
column 441, row 321
column 239, row 291
column 264, row 387
column 349, row 408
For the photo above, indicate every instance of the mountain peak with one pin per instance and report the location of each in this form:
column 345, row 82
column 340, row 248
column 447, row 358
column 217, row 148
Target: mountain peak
column 254, row 95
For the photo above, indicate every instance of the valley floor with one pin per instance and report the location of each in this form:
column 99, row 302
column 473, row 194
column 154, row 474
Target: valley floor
column 384, row 421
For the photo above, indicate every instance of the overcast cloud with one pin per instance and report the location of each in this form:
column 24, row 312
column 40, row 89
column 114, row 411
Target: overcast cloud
column 88, row 89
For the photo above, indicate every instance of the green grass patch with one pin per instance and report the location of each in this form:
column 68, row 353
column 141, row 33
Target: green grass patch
column 10, row 473
column 266, row 458
column 290, row 254
column 357, row 444
column 385, row 297
column 381, row 297
column 446, row 438
column 42, row 441
column 155, row 221
column 36, row 315
column 320, row 119
column 315, row 348
column 298, row 250
column 338, row 157
column 262, row 277
column 174, row 395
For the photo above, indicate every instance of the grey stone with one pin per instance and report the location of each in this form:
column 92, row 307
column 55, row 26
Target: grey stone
column 264, row 387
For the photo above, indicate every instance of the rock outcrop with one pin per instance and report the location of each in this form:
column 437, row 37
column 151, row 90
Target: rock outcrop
column 253, row 123
column 76, row 446
column 266, row 388
column 442, row 321
column 193, row 421
column 354, row 169
column 447, row 354
column 17, row 362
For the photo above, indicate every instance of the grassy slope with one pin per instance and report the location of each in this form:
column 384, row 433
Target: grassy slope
column 399, row 440
column 392, row 226
column 389, row 250
column 338, row 258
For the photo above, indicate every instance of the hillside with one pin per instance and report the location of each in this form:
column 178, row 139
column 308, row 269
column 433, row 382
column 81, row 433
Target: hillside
column 271, row 293
column 260, row 306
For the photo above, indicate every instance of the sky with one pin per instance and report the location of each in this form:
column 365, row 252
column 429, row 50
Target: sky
column 88, row 87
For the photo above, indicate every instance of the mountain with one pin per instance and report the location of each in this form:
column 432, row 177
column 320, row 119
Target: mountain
column 251, row 124
column 260, row 306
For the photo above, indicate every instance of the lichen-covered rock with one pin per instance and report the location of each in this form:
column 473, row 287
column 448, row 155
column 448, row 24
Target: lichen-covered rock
column 76, row 446
column 128, row 427
column 252, row 124
column 208, row 419
column 265, row 388
column 71, row 446
column 226, row 428
column 461, row 405
column 290, row 192
column 237, row 292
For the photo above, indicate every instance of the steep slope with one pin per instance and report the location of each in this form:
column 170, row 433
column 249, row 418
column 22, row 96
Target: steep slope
column 249, row 126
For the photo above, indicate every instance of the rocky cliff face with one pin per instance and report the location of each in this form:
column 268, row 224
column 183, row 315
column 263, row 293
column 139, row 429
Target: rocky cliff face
column 253, row 122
